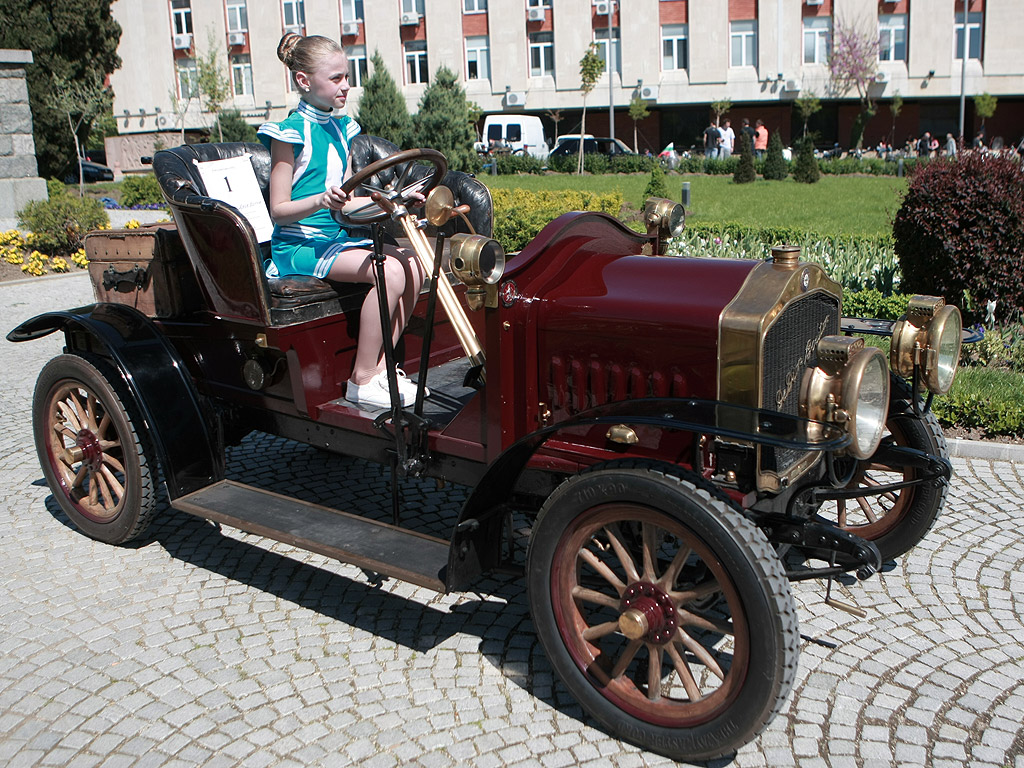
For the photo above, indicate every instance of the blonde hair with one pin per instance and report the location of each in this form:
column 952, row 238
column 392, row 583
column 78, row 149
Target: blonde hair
column 305, row 54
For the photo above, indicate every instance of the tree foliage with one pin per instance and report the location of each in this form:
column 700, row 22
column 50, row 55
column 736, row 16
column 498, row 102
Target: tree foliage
column 806, row 106
column 853, row 65
column 231, row 126
column 720, row 108
column 214, row 87
column 985, row 106
column 382, row 110
column 775, row 166
column 71, row 39
column 656, row 187
column 444, row 121
column 806, row 168
column 744, row 173
column 637, row 111
column 79, row 103
column 591, row 67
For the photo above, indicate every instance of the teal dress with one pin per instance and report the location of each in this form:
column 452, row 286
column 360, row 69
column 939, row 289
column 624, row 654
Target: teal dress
column 321, row 145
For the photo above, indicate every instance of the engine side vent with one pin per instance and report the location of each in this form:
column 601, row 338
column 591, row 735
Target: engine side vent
column 577, row 384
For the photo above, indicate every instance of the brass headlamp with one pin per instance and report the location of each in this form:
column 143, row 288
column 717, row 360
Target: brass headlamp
column 664, row 218
column 929, row 334
column 478, row 262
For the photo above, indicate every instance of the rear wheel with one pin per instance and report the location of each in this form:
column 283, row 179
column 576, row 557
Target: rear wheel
column 625, row 566
column 895, row 521
column 95, row 461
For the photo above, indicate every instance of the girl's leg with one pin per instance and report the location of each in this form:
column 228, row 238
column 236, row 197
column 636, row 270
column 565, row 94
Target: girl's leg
column 356, row 266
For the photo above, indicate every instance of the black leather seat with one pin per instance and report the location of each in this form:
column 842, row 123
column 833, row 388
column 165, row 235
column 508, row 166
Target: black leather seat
column 179, row 178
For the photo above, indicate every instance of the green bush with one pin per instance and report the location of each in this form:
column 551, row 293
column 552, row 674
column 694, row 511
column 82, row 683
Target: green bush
column 143, row 189
column 633, row 164
column 656, row 187
column 232, row 125
column 805, row 169
column 513, row 164
column 744, row 173
column 960, row 232
column 874, row 303
column 58, row 225
column 717, row 167
column 981, row 398
column 519, row 215
column 775, row 167
column 596, row 163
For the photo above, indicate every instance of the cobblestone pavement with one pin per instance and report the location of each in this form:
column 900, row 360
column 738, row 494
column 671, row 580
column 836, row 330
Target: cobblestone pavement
column 200, row 645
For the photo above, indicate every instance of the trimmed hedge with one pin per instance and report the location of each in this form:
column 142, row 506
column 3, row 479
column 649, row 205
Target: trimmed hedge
column 519, row 215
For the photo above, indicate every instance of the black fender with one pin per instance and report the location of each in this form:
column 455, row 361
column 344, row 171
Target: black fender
column 187, row 447
column 476, row 540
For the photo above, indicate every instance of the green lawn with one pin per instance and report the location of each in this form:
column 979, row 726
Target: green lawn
column 849, row 205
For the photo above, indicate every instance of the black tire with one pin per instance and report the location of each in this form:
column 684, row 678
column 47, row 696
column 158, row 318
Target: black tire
column 622, row 560
column 895, row 522
column 96, row 462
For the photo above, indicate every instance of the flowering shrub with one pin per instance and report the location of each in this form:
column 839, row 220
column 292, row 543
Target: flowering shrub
column 36, row 264
column 79, row 258
column 59, row 224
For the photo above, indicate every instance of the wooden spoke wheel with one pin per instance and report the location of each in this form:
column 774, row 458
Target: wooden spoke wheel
column 622, row 566
column 94, row 460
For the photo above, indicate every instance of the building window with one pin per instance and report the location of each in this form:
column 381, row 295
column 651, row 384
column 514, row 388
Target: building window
column 238, row 16
column 973, row 36
column 542, row 54
column 416, row 62
column 538, row 3
column 478, row 58
column 817, row 34
column 474, row 6
column 181, row 16
column 601, row 39
column 351, row 11
column 188, row 78
column 294, row 16
column 892, row 37
column 357, row 67
column 673, row 47
column 743, row 43
column 241, row 74
column 412, row 6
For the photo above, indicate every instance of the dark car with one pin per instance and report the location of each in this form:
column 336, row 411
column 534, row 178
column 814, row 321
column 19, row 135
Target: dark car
column 596, row 145
column 90, row 172
column 666, row 429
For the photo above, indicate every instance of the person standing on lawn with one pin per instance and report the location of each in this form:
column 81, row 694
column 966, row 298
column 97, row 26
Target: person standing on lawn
column 760, row 139
column 712, row 140
column 728, row 140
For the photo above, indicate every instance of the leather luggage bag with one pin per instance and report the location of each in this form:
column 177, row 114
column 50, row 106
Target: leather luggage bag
column 146, row 268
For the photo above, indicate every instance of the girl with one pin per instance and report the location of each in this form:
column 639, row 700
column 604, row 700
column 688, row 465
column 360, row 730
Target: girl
column 309, row 161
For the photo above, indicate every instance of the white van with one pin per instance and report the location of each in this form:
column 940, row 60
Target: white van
column 517, row 132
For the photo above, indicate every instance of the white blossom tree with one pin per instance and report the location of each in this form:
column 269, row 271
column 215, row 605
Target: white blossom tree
column 853, row 65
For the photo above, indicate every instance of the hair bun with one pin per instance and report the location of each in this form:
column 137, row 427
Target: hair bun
column 286, row 48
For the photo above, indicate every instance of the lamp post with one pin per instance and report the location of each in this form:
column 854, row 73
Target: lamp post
column 611, row 93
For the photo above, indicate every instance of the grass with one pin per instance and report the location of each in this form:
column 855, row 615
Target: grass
column 841, row 205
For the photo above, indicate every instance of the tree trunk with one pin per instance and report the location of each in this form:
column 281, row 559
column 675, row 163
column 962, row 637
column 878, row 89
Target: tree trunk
column 583, row 132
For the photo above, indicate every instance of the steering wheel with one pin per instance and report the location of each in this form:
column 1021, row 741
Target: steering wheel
column 396, row 192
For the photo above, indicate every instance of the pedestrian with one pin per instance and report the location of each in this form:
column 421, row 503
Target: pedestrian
column 950, row 145
column 746, row 130
column 309, row 157
column 760, row 139
column 712, row 140
column 728, row 140
column 924, row 144
column 979, row 141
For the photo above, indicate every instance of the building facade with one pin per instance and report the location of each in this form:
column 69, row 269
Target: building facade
column 678, row 55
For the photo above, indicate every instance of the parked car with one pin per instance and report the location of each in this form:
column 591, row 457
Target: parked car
column 669, row 427
column 90, row 172
column 604, row 146
column 515, row 133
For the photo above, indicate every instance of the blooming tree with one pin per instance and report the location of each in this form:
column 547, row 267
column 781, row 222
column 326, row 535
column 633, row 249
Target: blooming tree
column 853, row 65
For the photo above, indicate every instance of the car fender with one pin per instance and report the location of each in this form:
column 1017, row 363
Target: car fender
column 476, row 540
column 190, row 453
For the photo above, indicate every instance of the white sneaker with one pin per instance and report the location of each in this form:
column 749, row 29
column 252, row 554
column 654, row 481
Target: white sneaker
column 407, row 385
column 376, row 393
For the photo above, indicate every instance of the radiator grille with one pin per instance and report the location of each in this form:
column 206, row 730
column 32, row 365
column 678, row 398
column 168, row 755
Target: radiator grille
column 789, row 347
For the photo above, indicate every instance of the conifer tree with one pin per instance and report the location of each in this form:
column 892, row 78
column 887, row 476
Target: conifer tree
column 806, row 168
column 382, row 110
column 444, row 121
column 775, row 166
column 656, row 187
column 745, row 170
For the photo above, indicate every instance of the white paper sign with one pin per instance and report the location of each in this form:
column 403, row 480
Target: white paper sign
column 233, row 181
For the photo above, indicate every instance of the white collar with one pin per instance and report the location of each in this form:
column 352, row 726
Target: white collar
column 311, row 113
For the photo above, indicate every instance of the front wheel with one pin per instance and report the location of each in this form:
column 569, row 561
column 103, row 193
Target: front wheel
column 664, row 611
column 95, row 460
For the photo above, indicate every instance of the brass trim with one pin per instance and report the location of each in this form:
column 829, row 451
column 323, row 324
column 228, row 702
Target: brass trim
column 742, row 327
column 621, row 434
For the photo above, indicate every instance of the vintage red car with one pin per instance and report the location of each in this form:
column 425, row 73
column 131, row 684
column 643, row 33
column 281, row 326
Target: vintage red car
column 685, row 435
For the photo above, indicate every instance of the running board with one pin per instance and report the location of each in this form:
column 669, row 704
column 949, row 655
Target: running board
column 378, row 547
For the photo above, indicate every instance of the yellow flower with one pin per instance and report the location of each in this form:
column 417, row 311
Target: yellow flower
column 59, row 265
column 132, row 224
